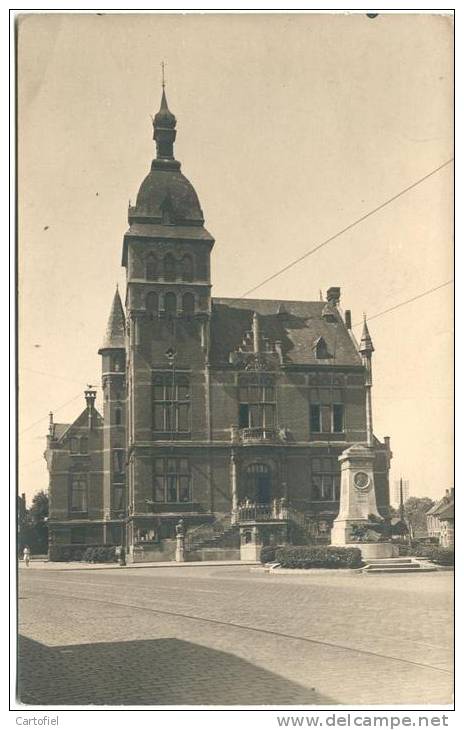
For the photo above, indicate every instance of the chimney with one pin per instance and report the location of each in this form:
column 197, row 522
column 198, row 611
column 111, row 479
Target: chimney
column 348, row 319
column 333, row 295
column 90, row 395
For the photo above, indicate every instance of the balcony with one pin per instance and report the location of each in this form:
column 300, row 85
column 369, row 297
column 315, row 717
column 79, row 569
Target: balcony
column 257, row 435
column 277, row 511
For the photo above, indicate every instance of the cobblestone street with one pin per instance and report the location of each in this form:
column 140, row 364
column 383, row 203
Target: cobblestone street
column 225, row 635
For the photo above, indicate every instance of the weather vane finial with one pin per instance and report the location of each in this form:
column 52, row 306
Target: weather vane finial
column 163, row 81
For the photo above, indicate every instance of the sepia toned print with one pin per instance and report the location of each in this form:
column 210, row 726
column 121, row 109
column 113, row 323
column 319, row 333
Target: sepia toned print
column 254, row 480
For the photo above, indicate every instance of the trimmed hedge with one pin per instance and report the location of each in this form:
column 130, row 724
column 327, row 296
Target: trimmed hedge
column 434, row 553
column 101, row 554
column 91, row 553
column 268, row 553
column 312, row 556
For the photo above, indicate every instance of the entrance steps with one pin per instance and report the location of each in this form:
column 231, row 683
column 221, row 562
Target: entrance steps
column 397, row 565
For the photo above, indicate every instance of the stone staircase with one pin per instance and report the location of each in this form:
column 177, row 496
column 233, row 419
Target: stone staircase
column 219, row 534
column 397, row 565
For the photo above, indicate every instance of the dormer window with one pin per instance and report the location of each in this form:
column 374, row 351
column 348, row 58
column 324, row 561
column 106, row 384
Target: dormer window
column 321, row 349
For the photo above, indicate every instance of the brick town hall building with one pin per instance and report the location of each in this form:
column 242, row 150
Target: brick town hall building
column 230, row 414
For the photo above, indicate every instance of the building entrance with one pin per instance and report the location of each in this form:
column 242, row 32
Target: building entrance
column 259, row 483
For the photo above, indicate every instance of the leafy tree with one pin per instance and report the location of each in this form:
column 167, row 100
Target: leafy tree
column 34, row 530
column 415, row 510
column 39, row 508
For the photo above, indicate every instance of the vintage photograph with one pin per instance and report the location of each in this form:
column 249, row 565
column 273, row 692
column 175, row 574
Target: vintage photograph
column 235, row 359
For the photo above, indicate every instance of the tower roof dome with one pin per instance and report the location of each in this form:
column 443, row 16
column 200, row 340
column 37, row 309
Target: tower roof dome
column 166, row 196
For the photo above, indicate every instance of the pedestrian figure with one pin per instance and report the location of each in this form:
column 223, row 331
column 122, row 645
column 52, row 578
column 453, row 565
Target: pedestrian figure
column 26, row 555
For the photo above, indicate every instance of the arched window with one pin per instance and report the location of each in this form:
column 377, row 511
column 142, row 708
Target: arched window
column 188, row 303
column 169, row 266
column 152, row 267
column 187, row 268
column 151, row 302
column 202, row 266
column 170, row 303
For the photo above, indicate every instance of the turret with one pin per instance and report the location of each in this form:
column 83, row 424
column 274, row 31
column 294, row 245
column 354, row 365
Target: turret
column 366, row 348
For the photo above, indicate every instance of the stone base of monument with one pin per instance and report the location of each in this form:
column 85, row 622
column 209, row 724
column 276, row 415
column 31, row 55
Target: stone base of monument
column 371, row 550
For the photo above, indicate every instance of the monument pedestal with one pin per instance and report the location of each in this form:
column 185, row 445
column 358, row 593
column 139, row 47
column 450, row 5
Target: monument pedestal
column 358, row 502
column 376, row 550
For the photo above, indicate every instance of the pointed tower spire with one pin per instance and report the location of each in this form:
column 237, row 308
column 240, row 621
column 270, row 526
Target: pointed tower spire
column 366, row 347
column 115, row 330
column 164, row 127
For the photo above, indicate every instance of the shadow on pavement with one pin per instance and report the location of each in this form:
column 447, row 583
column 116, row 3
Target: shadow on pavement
column 151, row 672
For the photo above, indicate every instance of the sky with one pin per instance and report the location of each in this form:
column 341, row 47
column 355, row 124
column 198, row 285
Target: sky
column 290, row 127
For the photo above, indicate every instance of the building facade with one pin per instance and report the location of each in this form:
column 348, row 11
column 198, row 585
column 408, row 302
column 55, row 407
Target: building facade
column 440, row 520
column 227, row 413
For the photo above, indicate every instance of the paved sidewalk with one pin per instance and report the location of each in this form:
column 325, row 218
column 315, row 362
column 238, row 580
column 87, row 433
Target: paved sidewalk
column 46, row 565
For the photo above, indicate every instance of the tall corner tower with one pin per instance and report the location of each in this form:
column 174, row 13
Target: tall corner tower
column 113, row 353
column 166, row 253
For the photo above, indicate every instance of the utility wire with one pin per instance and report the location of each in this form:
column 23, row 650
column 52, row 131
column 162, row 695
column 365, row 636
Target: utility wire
column 79, row 395
column 406, row 301
column 52, row 375
column 344, row 230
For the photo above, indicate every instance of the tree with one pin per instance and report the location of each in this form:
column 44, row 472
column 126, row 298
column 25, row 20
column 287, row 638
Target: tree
column 39, row 508
column 37, row 523
column 415, row 510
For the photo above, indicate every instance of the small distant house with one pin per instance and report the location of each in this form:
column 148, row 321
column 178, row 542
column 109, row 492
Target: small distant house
column 440, row 520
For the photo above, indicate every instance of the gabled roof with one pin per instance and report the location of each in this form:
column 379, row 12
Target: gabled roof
column 297, row 325
column 441, row 506
column 447, row 513
column 59, row 429
column 63, row 429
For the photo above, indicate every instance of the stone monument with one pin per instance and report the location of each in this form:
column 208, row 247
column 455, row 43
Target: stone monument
column 358, row 504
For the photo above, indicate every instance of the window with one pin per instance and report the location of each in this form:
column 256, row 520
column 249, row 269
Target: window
column 152, row 268
column 78, row 496
column 188, row 303
column 118, row 496
column 187, row 268
column 170, row 303
column 74, row 445
column 327, row 412
column 172, row 480
column 321, row 349
column 171, row 403
column 257, row 406
column 84, row 445
column 338, row 418
column 118, row 460
column 315, row 416
column 169, row 265
column 151, row 302
column 325, row 479
column 202, row 266
column 118, row 416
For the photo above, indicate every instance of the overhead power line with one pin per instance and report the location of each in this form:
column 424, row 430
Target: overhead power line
column 79, row 395
column 344, row 230
column 407, row 301
column 53, row 375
